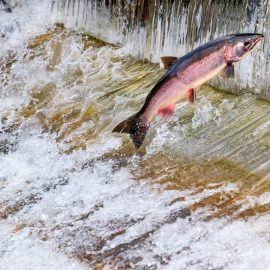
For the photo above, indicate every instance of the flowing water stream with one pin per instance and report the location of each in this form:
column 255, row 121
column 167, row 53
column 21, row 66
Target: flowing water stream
column 75, row 196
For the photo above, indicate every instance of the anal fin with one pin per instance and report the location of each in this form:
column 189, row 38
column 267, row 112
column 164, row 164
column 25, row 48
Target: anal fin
column 167, row 111
column 191, row 95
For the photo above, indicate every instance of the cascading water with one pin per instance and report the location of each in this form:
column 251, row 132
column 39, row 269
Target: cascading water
column 175, row 27
column 75, row 196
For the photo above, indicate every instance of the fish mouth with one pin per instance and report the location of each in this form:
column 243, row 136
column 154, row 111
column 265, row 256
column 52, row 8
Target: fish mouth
column 249, row 45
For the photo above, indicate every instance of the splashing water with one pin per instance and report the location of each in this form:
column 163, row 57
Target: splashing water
column 203, row 114
column 75, row 196
column 175, row 27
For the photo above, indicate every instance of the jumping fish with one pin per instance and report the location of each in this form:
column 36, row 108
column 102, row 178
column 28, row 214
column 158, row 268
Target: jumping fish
column 186, row 74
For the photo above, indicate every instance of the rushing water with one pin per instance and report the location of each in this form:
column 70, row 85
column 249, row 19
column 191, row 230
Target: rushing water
column 75, row 196
column 175, row 27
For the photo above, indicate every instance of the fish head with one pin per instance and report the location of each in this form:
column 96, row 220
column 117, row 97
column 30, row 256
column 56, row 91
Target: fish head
column 239, row 45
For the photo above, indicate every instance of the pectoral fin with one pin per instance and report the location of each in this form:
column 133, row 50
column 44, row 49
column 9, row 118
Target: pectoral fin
column 168, row 61
column 228, row 72
column 191, row 95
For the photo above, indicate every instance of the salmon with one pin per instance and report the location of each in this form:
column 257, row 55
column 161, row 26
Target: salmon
column 186, row 74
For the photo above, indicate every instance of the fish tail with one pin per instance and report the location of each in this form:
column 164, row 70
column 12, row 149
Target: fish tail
column 136, row 126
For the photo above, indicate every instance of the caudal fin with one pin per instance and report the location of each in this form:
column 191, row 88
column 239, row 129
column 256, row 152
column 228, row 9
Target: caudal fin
column 136, row 126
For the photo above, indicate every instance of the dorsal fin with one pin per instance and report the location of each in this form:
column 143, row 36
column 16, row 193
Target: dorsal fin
column 167, row 61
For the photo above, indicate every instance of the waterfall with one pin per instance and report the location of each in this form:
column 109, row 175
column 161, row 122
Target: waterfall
column 76, row 196
column 150, row 29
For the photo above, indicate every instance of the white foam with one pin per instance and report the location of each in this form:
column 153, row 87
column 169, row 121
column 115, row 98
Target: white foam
column 19, row 251
column 71, row 201
column 27, row 18
column 216, row 244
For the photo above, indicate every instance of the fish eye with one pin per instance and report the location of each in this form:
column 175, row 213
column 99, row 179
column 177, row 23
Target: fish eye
column 240, row 50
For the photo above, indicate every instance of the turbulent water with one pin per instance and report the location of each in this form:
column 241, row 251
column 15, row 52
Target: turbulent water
column 168, row 27
column 75, row 196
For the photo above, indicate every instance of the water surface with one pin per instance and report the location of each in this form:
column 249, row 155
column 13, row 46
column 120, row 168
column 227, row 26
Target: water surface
column 75, row 196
